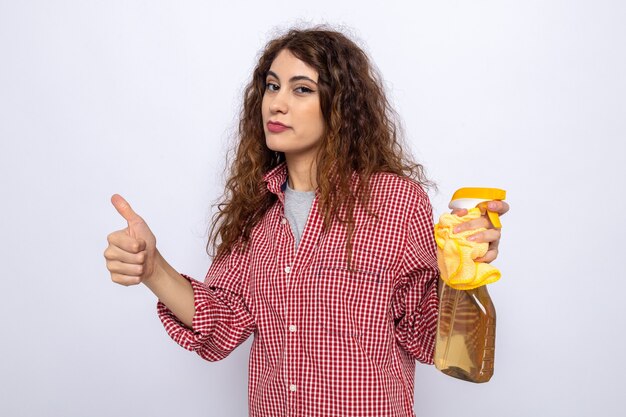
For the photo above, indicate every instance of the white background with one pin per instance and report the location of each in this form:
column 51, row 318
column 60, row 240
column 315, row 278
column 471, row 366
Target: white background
column 140, row 98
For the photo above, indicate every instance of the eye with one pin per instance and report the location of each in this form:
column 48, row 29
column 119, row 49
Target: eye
column 303, row 89
column 271, row 86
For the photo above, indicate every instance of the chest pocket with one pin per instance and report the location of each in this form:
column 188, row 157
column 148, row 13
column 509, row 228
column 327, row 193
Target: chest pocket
column 353, row 302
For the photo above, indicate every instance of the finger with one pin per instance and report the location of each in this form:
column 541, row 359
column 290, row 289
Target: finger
column 114, row 253
column 125, row 280
column 489, row 235
column 500, row 207
column 490, row 256
column 121, row 268
column 126, row 242
column 460, row 212
column 125, row 210
column 472, row 224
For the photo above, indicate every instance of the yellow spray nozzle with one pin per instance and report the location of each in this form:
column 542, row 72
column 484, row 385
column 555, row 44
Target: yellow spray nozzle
column 479, row 193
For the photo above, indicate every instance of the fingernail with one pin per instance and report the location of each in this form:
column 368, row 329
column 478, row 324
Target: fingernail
column 472, row 238
column 492, row 205
column 457, row 229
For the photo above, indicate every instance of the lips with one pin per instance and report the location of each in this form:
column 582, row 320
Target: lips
column 276, row 127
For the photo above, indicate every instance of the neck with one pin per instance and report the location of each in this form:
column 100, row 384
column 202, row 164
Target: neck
column 302, row 173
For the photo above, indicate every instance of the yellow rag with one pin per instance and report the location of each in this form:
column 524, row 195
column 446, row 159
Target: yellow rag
column 456, row 254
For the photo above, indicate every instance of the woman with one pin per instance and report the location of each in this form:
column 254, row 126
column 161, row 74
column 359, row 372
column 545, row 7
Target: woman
column 324, row 241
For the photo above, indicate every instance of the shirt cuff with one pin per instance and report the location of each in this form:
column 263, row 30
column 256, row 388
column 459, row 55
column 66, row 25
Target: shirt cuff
column 202, row 323
column 417, row 331
column 427, row 328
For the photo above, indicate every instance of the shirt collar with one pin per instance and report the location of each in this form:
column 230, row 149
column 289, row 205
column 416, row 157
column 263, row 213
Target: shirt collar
column 276, row 177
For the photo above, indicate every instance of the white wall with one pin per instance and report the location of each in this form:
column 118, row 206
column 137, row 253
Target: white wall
column 139, row 97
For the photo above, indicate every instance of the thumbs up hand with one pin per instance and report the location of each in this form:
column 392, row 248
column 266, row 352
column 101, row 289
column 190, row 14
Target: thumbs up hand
column 131, row 254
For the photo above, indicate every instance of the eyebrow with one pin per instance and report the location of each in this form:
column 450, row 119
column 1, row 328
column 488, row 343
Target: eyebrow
column 292, row 79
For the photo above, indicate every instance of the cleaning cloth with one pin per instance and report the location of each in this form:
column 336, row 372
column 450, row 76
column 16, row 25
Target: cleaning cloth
column 456, row 254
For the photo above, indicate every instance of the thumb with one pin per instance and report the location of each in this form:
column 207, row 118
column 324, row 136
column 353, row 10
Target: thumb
column 125, row 210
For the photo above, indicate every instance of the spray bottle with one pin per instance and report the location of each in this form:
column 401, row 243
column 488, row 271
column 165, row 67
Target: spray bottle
column 466, row 327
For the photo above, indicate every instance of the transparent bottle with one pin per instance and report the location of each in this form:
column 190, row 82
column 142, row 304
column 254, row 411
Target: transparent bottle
column 466, row 333
column 466, row 327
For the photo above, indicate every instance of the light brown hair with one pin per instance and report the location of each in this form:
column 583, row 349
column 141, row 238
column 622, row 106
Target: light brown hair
column 362, row 135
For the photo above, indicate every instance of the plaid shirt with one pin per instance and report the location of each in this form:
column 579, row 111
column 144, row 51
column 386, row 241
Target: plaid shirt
column 328, row 341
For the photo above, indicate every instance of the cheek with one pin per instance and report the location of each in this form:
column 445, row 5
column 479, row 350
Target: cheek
column 319, row 119
column 315, row 117
column 264, row 108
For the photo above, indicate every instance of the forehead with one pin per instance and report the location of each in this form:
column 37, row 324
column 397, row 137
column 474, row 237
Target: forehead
column 286, row 66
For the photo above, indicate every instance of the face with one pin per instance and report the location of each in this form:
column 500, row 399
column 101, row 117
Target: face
column 292, row 98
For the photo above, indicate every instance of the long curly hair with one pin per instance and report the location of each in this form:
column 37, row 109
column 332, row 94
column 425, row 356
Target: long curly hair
column 362, row 135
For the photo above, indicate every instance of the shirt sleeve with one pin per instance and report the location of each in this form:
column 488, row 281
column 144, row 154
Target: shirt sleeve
column 222, row 320
column 415, row 302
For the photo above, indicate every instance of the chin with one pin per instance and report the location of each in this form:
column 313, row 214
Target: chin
column 274, row 145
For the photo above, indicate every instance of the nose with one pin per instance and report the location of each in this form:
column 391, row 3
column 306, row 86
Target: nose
column 279, row 103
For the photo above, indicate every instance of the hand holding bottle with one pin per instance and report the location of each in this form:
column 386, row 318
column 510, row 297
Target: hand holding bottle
column 491, row 235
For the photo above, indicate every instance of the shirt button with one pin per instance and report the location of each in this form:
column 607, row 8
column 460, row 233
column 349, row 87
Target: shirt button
column 292, row 388
column 283, row 220
column 293, row 328
column 287, row 269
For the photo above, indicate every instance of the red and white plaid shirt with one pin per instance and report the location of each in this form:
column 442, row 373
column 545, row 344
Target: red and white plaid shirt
column 327, row 341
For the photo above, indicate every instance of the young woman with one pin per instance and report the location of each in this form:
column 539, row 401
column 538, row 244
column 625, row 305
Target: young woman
column 324, row 243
